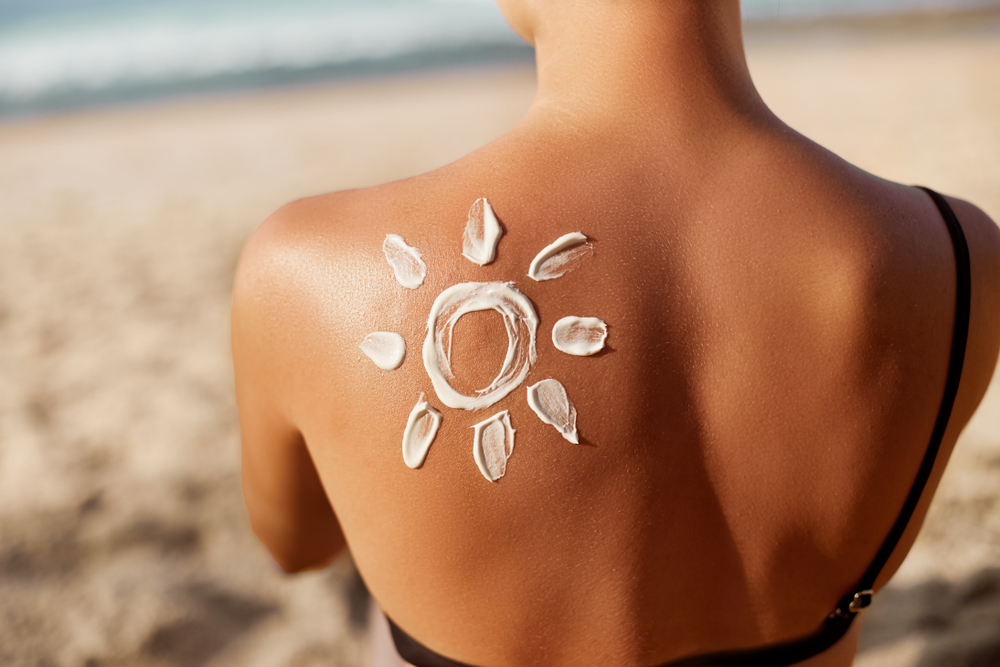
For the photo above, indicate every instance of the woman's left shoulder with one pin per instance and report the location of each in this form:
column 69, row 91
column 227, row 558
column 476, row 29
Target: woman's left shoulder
column 983, row 237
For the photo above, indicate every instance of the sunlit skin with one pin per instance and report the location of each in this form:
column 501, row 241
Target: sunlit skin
column 780, row 324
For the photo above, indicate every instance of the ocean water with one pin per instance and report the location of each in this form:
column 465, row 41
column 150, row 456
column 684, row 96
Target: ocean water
column 58, row 54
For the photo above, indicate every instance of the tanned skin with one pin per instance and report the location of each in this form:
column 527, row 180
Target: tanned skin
column 780, row 328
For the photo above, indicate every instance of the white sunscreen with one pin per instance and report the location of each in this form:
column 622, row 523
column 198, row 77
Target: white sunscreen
column 519, row 319
column 482, row 233
column 492, row 445
column 421, row 428
column 549, row 401
column 560, row 257
column 579, row 336
column 385, row 348
column 405, row 261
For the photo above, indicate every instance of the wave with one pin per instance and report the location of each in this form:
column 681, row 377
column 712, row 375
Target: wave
column 52, row 60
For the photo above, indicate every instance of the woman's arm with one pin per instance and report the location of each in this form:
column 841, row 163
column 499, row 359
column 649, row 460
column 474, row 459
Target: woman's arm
column 289, row 509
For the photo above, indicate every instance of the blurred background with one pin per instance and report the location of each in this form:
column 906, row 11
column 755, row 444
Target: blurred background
column 141, row 141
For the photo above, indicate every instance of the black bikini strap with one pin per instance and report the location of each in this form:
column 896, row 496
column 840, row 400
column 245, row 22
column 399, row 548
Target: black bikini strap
column 963, row 301
column 415, row 653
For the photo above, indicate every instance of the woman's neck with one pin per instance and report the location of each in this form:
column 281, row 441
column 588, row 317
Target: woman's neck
column 676, row 63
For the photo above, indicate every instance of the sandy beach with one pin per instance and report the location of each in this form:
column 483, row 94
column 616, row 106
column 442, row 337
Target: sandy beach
column 123, row 535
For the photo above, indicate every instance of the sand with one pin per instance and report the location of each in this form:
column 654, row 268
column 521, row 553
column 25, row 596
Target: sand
column 123, row 537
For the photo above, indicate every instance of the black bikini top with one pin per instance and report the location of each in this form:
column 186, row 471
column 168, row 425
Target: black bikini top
column 839, row 621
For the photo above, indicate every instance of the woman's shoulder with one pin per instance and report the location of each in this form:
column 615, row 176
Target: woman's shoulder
column 983, row 238
column 321, row 232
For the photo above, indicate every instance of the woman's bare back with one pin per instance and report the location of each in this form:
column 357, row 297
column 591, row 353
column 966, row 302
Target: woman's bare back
column 779, row 334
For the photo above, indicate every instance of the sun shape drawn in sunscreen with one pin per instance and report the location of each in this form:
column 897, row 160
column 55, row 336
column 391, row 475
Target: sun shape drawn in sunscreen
column 493, row 438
